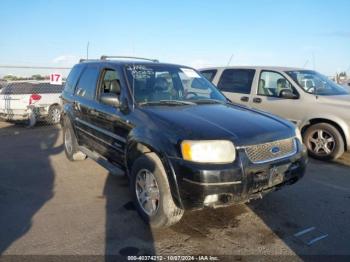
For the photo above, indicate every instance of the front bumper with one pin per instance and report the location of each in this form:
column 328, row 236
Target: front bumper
column 238, row 182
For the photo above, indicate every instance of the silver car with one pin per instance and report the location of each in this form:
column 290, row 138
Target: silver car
column 317, row 105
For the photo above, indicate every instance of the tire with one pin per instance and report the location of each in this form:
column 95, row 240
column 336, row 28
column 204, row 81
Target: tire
column 166, row 212
column 324, row 142
column 54, row 115
column 70, row 143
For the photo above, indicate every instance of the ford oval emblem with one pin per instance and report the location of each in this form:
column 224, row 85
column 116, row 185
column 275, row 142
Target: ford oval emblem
column 275, row 150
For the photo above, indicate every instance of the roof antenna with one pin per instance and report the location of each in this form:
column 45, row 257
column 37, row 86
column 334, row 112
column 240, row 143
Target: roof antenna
column 229, row 61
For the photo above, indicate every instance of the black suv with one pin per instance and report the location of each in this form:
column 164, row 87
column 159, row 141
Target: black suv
column 180, row 142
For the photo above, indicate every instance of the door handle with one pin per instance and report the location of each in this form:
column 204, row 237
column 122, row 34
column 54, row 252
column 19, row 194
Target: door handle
column 257, row 100
column 244, row 98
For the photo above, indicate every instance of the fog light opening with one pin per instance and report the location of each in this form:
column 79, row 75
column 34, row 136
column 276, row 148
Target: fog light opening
column 211, row 199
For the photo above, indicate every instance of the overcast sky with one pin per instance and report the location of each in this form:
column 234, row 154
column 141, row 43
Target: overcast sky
column 310, row 33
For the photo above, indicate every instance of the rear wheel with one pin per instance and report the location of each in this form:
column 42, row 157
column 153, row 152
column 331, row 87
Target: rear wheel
column 151, row 191
column 70, row 143
column 324, row 141
column 54, row 115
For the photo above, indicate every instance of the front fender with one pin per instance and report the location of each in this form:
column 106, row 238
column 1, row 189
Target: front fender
column 163, row 147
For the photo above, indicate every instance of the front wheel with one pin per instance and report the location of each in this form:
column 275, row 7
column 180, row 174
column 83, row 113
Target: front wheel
column 324, row 141
column 151, row 191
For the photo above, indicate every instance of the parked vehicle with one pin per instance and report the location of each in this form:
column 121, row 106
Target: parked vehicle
column 180, row 142
column 31, row 101
column 317, row 105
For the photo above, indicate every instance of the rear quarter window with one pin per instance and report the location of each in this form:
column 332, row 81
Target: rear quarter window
column 87, row 83
column 237, row 80
column 72, row 79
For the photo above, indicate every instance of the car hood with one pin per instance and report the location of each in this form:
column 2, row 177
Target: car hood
column 339, row 100
column 221, row 121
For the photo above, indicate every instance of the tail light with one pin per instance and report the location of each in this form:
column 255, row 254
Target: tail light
column 34, row 98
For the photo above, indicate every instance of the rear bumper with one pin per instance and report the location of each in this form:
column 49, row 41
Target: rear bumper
column 238, row 182
column 20, row 115
column 14, row 117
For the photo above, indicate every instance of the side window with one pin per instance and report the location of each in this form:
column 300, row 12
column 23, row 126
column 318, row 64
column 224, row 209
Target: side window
column 209, row 74
column 272, row 83
column 72, row 79
column 237, row 80
column 87, row 83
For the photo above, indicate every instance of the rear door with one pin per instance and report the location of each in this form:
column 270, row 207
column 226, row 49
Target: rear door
column 84, row 105
column 236, row 84
column 266, row 96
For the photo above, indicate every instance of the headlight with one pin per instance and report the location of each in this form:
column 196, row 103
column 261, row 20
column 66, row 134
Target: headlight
column 209, row 151
column 298, row 134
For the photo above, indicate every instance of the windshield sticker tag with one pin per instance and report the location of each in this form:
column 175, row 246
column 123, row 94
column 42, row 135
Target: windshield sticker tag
column 190, row 73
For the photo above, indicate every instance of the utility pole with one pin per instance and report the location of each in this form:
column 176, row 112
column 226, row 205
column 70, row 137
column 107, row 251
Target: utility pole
column 87, row 50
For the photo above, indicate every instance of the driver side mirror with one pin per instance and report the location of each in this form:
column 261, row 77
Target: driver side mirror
column 288, row 94
column 110, row 99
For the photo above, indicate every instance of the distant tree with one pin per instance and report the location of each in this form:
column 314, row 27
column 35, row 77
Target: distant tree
column 10, row 78
column 38, row 77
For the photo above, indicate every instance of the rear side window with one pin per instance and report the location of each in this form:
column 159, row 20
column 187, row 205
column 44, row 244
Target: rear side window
column 73, row 79
column 31, row 88
column 237, row 80
column 87, row 83
column 17, row 89
column 209, row 74
column 46, row 88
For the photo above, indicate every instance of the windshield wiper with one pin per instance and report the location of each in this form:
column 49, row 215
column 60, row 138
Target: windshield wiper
column 208, row 101
column 167, row 102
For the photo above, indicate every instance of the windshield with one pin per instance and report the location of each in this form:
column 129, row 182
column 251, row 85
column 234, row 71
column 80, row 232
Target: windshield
column 315, row 83
column 156, row 83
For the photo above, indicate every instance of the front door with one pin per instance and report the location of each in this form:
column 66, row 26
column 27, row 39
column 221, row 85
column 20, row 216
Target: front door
column 267, row 96
column 110, row 122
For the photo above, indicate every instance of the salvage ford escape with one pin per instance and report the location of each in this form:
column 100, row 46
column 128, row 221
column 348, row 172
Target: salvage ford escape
column 181, row 143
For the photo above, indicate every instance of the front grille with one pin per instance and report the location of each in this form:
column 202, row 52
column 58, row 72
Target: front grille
column 271, row 151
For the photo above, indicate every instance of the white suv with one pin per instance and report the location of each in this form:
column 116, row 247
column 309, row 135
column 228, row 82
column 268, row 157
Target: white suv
column 31, row 101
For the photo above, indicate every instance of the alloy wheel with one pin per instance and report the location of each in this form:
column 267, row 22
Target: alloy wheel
column 321, row 142
column 147, row 192
column 55, row 115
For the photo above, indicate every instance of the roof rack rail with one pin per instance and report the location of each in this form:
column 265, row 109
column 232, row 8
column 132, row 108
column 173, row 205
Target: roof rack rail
column 84, row 60
column 105, row 57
